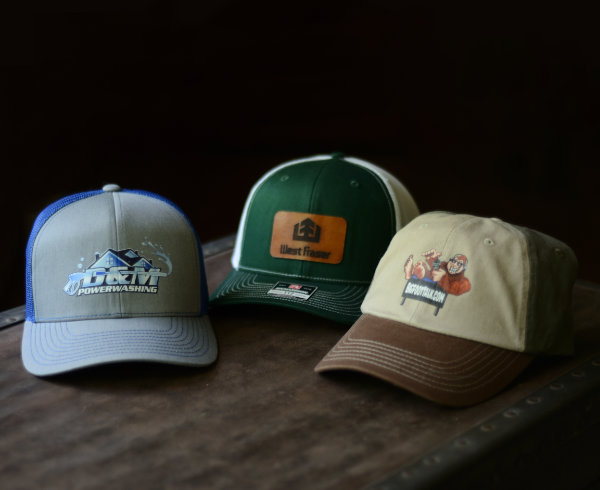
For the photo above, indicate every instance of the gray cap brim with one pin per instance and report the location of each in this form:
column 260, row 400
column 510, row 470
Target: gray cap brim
column 58, row 347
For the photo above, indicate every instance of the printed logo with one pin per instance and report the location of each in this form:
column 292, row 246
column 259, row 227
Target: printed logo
column 118, row 271
column 311, row 237
column 432, row 280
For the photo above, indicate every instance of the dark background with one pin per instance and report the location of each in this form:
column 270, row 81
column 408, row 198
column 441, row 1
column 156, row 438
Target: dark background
column 480, row 110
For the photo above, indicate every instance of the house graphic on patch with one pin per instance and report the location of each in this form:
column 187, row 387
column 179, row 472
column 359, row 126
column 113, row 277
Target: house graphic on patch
column 122, row 258
column 307, row 231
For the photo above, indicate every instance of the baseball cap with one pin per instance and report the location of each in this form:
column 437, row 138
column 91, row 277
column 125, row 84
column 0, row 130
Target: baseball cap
column 459, row 306
column 114, row 275
column 311, row 234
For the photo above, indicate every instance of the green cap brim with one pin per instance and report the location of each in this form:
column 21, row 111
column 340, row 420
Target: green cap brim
column 338, row 302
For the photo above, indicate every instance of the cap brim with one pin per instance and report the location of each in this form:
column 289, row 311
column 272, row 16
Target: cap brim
column 336, row 301
column 58, row 347
column 441, row 368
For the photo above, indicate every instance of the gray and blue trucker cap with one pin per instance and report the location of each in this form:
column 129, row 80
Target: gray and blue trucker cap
column 114, row 275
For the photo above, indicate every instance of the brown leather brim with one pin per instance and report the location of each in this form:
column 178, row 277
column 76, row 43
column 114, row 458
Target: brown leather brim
column 442, row 368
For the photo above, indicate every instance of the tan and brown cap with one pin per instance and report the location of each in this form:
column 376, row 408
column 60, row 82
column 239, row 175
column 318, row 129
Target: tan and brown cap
column 458, row 307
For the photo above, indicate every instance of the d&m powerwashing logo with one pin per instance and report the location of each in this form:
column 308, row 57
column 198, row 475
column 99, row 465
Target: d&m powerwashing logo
column 118, row 271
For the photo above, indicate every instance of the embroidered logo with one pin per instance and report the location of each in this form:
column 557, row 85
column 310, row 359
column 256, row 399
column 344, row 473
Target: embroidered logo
column 117, row 271
column 311, row 237
column 431, row 280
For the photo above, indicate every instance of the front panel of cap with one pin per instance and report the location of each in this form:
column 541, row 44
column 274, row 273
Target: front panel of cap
column 347, row 195
column 116, row 254
column 484, row 295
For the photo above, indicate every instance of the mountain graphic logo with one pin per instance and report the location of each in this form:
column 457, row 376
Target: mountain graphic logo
column 116, row 271
column 307, row 231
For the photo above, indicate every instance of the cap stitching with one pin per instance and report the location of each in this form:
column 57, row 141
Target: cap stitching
column 316, row 278
column 198, row 339
column 390, row 365
column 427, row 382
column 376, row 344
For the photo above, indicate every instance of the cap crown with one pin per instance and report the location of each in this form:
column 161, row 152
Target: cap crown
column 113, row 254
column 326, row 217
column 505, row 285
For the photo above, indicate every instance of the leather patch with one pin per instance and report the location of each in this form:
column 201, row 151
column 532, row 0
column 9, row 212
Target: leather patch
column 305, row 236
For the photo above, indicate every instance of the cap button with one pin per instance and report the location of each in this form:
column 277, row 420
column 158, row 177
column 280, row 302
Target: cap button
column 338, row 154
column 111, row 188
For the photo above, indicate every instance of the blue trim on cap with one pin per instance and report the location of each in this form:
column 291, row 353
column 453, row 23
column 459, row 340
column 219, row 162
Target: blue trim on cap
column 40, row 221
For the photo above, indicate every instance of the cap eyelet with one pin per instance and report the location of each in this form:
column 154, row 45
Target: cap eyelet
column 489, row 242
column 559, row 252
column 283, row 178
column 354, row 183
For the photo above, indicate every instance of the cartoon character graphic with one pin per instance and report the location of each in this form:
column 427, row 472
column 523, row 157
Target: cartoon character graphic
column 449, row 275
column 431, row 280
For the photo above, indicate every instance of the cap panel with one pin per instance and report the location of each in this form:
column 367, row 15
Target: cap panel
column 161, row 236
column 331, row 188
column 405, row 207
column 62, row 251
column 484, row 302
column 237, row 250
column 358, row 195
column 287, row 189
column 41, row 219
column 554, row 270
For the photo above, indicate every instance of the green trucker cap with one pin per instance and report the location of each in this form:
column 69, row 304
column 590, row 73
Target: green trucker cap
column 311, row 234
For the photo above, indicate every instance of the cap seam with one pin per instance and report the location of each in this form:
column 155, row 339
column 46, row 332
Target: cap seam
column 525, row 299
column 198, row 253
column 117, row 209
column 305, row 264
